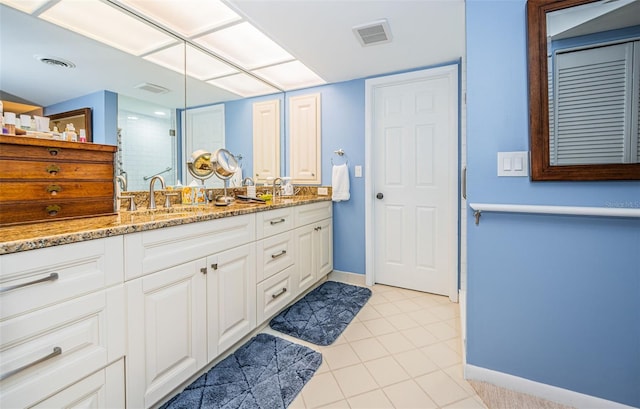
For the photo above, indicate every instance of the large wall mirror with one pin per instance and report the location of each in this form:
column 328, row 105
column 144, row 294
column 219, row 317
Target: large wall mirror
column 140, row 100
column 584, row 89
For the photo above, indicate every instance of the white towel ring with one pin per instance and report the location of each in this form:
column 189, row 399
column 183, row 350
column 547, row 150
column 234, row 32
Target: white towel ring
column 341, row 154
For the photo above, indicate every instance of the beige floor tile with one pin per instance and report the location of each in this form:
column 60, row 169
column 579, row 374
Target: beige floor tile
column 376, row 299
column 321, row 390
column 354, row 380
column 395, row 342
column 371, row 400
column 323, row 367
column 408, row 395
column 407, row 306
column 386, row 371
column 442, row 331
column 441, row 355
column 455, row 344
column 441, row 388
column 379, row 326
column 456, row 373
column 342, row 404
column 402, row 321
column 420, row 336
column 469, row 403
column 368, row 313
column 394, row 295
column 298, row 403
column 368, row 349
column 415, row 362
column 427, row 301
column 447, row 311
column 423, row 317
column 387, row 309
column 356, row 331
column 340, row 356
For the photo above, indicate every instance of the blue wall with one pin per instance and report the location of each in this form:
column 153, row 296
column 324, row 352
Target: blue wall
column 104, row 107
column 342, row 127
column 554, row 299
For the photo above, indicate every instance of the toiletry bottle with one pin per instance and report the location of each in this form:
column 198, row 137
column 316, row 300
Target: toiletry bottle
column 83, row 136
column 70, row 133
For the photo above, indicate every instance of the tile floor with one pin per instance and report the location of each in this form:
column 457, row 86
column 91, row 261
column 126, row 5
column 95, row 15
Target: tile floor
column 402, row 350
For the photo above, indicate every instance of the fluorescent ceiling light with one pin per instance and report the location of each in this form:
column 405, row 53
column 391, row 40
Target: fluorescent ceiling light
column 27, row 6
column 200, row 65
column 108, row 25
column 290, row 75
column 244, row 45
column 244, row 85
column 186, row 17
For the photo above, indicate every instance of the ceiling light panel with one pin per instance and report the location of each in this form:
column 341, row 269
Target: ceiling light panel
column 27, row 6
column 290, row 75
column 244, row 45
column 199, row 65
column 186, row 17
column 104, row 23
column 244, row 85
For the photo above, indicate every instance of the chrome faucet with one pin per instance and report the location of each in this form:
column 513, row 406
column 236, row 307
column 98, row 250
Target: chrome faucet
column 121, row 182
column 152, row 196
column 274, row 191
column 247, row 182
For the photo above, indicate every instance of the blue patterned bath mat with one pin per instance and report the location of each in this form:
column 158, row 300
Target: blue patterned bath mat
column 321, row 316
column 267, row 373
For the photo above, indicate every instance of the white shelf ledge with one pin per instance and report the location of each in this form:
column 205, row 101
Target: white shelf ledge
column 566, row 210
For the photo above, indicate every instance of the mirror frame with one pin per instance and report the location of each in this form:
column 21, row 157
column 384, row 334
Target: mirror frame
column 541, row 169
column 85, row 113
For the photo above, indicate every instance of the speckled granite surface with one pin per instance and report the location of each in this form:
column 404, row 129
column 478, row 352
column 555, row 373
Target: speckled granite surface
column 48, row 234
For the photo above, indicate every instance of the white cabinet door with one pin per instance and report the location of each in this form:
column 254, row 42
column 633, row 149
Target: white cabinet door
column 323, row 247
column 305, row 134
column 266, row 140
column 305, row 267
column 231, row 292
column 167, row 320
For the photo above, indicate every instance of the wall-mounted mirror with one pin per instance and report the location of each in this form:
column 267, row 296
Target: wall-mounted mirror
column 584, row 66
column 79, row 118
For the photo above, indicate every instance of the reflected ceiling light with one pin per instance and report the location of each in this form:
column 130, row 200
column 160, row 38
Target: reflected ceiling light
column 160, row 113
column 108, row 25
column 244, row 45
column 290, row 75
column 244, row 85
column 27, row 6
column 186, row 17
column 200, row 65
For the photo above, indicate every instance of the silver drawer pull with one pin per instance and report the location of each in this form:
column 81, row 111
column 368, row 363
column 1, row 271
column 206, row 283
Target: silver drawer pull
column 277, row 221
column 56, row 351
column 52, row 277
column 279, row 293
column 282, row 253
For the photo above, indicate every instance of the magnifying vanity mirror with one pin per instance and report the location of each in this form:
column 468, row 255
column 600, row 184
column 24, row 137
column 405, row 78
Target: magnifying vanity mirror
column 584, row 71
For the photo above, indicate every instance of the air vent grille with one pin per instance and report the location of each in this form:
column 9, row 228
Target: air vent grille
column 55, row 61
column 153, row 88
column 376, row 32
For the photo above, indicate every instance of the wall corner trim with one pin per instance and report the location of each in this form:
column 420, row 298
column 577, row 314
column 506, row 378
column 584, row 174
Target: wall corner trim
column 542, row 390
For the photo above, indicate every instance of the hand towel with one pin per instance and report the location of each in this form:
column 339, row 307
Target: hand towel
column 236, row 179
column 340, row 183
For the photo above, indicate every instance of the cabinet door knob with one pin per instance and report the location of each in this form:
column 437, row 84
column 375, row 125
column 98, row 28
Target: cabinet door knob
column 203, row 270
column 379, row 196
column 214, row 266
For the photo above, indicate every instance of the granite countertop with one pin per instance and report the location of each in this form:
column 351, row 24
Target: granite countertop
column 47, row 234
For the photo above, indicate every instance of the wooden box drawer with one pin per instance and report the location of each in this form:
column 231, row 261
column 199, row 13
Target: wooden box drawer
column 312, row 213
column 80, row 268
column 59, row 151
column 274, row 254
column 274, row 293
column 55, row 190
column 24, row 212
column 45, row 351
column 273, row 222
column 49, row 170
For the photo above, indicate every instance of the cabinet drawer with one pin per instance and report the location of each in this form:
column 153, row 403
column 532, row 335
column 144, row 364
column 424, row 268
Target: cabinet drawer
column 312, row 213
column 24, row 212
column 54, row 190
column 273, row 222
column 155, row 250
column 50, row 349
column 52, row 170
column 80, row 268
column 275, row 254
column 93, row 152
column 274, row 293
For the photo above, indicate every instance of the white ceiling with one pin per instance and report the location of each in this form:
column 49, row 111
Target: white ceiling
column 317, row 32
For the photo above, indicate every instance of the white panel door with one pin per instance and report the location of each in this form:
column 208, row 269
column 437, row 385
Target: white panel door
column 266, row 140
column 203, row 129
column 305, row 268
column 414, row 147
column 231, row 292
column 305, row 139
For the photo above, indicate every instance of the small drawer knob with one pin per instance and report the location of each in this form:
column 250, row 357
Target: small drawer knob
column 54, row 189
column 53, row 169
column 53, row 210
column 53, row 151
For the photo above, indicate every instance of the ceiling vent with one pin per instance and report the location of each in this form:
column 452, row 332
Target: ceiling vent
column 55, row 61
column 376, row 32
column 153, row 88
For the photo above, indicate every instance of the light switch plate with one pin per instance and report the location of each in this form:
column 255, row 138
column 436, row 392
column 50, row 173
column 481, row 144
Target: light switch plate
column 358, row 171
column 323, row 191
column 513, row 163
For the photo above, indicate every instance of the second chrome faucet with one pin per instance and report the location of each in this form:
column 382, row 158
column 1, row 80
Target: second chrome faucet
column 152, row 196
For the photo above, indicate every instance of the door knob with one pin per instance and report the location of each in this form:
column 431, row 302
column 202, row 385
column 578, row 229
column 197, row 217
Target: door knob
column 379, row 196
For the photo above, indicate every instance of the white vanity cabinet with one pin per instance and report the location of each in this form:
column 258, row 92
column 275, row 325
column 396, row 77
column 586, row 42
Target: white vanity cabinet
column 314, row 243
column 62, row 315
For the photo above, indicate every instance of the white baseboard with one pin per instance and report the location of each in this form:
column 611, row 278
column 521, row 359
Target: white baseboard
column 549, row 392
column 462, row 304
column 347, row 277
